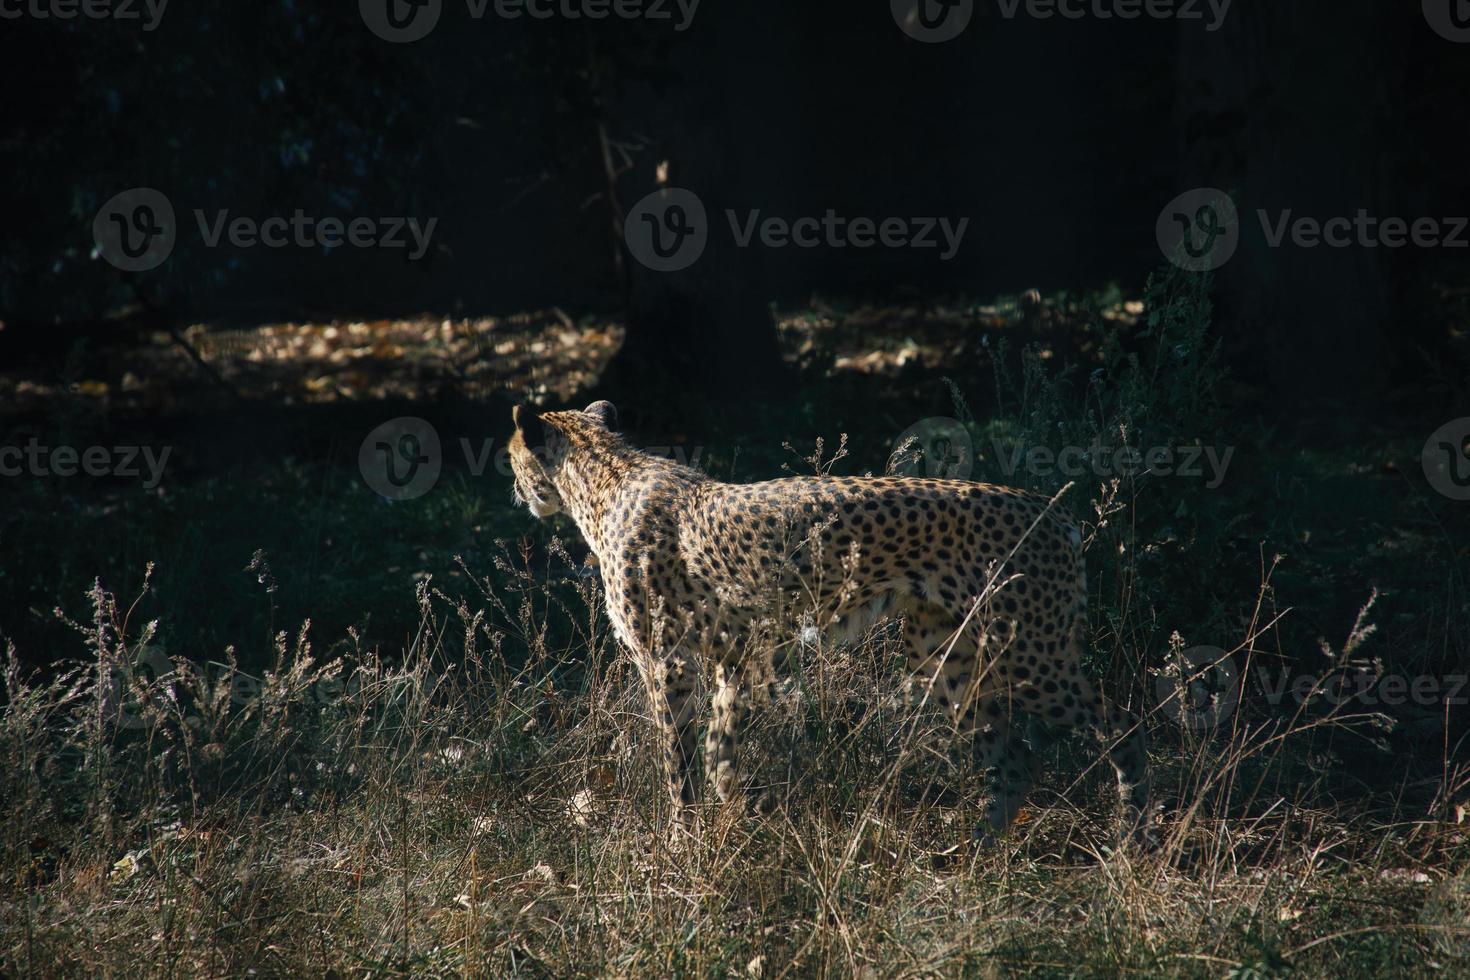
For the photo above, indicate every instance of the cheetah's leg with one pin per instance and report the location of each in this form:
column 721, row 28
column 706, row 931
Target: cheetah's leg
column 1005, row 758
column 728, row 718
column 951, row 670
column 1065, row 697
column 672, row 694
column 1127, row 748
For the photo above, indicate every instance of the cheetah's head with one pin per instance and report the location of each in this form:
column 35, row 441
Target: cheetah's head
column 539, row 447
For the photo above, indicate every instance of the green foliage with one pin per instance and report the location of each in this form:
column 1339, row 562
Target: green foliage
column 1156, row 540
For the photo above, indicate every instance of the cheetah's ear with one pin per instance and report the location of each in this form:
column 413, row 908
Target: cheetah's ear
column 605, row 413
column 530, row 424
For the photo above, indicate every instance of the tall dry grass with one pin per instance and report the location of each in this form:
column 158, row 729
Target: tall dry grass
column 492, row 806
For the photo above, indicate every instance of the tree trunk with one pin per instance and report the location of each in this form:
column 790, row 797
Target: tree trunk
column 1281, row 107
column 707, row 328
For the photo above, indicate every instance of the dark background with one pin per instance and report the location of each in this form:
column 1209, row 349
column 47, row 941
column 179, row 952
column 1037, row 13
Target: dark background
column 1059, row 139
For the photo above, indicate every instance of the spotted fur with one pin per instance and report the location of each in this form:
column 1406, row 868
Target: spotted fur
column 988, row 580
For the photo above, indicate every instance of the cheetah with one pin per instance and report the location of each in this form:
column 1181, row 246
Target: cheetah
column 988, row 582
